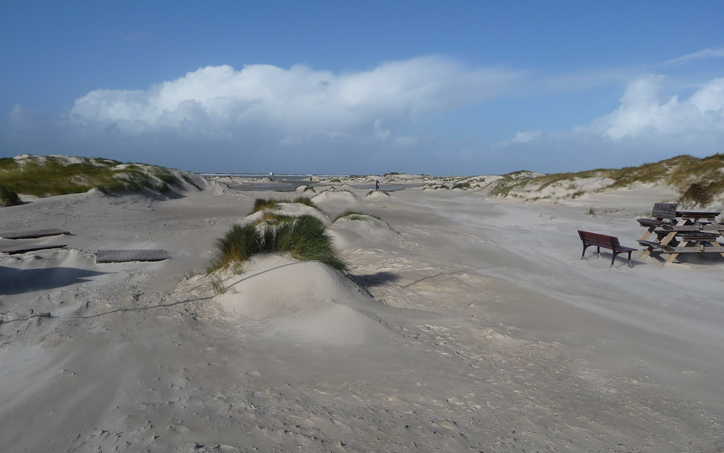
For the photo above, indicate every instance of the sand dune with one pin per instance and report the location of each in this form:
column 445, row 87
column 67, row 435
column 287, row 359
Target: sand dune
column 467, row 323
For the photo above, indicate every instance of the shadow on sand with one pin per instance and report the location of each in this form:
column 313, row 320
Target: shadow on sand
column 19, row 281
column 376, row 279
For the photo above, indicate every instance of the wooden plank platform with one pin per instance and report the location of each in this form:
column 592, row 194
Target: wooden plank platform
column 31, row 234
column 123, row 256
column 13, row 249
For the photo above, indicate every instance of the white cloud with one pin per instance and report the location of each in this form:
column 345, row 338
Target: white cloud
column 520, row 137
column 644, row 111
column 298, row 102
column 648, row 126
column 524, row 137
column 711, row 52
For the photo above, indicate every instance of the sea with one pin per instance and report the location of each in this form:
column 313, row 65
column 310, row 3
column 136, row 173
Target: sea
column 290, row 182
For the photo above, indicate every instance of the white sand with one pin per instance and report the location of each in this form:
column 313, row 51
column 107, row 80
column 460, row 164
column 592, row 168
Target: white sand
column 476, row 328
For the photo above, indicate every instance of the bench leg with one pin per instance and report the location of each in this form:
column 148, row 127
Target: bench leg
column 585, row 246
column 614, row 258
column 629, row 260
column 599, row 252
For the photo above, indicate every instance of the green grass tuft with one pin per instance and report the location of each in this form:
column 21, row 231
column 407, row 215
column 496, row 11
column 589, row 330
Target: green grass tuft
column 239, row 244
column 355, row 215
column 50, row 175
column 8, row 197
column 305, row 201
column 166, row 176
column 303, row 237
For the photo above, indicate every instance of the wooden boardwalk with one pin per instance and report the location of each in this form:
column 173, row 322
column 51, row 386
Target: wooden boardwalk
column 122, row 256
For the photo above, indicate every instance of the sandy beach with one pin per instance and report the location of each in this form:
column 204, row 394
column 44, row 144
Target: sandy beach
column 467, row 323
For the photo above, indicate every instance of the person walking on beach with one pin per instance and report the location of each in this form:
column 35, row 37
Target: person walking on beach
column 377, row 184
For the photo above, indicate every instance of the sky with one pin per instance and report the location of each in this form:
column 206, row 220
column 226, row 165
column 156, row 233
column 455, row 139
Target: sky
column 330, row 87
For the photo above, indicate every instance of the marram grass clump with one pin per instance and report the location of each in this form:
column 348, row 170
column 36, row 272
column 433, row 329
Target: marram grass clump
column 355, row 215
column 262, row 204
column 43, row 176
column 303, row 237
column 306, row 201
column 8, row 197
column 268, row 204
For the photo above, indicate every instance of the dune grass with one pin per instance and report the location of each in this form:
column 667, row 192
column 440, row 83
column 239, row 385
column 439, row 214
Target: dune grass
column 355, row 215
column 49, row 176
column 303, row 237
column 306, row 201
column 262, row 204
column 8, row 197
column 266, row 204
column 698, row 180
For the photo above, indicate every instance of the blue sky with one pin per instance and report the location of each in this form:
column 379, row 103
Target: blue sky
column 364, row 87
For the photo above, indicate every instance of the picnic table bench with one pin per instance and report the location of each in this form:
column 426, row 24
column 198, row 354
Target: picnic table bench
column 681, row 232
column 663, row 214
column 602, row 240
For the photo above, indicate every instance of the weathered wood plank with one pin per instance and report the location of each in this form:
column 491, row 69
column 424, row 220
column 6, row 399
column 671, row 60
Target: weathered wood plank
column 122, row 256
column 14, row 249
column 32, row 234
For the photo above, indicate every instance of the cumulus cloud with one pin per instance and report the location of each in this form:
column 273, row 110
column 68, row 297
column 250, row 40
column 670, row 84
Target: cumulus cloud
column 262, row 116
column 645, row 111
column 648, row 125
column 297, row 102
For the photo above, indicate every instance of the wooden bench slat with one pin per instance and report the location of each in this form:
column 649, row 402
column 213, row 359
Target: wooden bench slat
column 662, row 213
column 602, row 240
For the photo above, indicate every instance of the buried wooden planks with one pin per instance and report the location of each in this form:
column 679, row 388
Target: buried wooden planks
column 122, row 256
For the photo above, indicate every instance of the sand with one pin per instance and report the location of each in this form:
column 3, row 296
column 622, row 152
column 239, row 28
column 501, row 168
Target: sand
column 468, row 324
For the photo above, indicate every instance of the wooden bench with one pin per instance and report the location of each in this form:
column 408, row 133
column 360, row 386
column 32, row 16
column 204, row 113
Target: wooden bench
column 601, row 240
column 663, row 213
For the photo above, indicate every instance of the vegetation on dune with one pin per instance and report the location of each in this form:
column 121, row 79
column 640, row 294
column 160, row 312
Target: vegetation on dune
column 305, row 201
column 8, row 197
column 698, row 181
column 303, row 237
column 262, row 204
column 55, row 175
column 355, row 215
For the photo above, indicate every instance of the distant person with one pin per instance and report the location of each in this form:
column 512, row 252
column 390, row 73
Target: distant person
column 377, row 184
column 310, row 179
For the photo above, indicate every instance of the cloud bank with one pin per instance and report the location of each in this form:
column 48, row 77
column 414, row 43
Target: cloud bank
column 647, row 126
column 266, row 118
column 296, row 103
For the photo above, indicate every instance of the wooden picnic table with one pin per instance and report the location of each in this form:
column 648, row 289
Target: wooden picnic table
column 686, row 232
